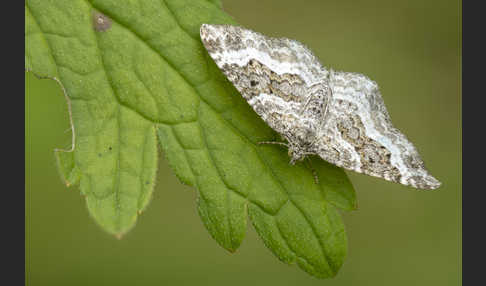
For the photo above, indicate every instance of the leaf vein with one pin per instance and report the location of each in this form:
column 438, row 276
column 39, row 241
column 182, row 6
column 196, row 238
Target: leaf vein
column 177, row 22
column 140, row 195
column 43, row 37
column 220, row 177
column 117, row 178
column 65, row 36
column 288, row 245
column 185, row 156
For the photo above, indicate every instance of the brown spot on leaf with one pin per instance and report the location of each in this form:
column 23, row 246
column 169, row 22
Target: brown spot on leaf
column 101, row 22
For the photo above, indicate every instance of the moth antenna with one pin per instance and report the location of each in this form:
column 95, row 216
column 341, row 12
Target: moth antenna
column 274, row 143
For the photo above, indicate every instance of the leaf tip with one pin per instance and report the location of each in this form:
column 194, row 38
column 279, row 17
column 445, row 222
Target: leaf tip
column 232, row 250
column 119, row 235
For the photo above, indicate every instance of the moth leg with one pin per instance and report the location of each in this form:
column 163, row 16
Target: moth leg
column 291, row 151
column 314, row 172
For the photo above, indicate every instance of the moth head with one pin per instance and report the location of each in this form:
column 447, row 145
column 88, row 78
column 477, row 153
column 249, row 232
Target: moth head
column 296, row 154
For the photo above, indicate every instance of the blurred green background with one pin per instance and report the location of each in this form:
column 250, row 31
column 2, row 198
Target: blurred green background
column 398, row 236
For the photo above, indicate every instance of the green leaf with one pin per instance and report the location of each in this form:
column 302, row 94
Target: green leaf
column 67, row 167
column 143, row 74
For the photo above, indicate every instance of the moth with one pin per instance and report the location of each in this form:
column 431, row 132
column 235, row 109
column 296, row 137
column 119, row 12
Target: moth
column 338, row 116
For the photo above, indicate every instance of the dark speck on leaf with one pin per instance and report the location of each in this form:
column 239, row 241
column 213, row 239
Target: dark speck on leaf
column 109, row 148
column 101, row 22
column 99, row 154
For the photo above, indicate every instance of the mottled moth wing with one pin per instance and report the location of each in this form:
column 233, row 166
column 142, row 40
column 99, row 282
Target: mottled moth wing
column 357, row 134
column 280, row 78
column 338, row 116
